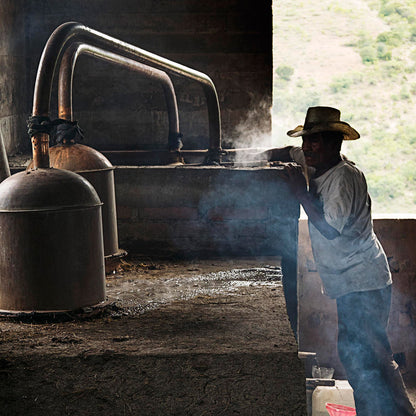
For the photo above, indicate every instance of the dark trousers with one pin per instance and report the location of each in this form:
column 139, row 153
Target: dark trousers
column 366, row 354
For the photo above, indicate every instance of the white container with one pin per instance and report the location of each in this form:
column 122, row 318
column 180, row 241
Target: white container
column 341, row 393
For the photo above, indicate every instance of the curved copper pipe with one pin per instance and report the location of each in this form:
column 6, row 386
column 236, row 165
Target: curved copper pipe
column 72, row 31
column 4, row 162
column 66, row 72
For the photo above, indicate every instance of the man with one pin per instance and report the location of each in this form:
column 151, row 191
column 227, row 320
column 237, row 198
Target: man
column 349, row 258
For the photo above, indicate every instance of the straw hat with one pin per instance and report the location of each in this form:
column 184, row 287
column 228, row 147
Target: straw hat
column 320, row 119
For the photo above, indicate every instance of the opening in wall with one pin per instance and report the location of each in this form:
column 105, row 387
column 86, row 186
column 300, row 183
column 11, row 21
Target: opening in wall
column 360, row 58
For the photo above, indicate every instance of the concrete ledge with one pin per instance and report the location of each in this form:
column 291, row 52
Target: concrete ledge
column 205, row 210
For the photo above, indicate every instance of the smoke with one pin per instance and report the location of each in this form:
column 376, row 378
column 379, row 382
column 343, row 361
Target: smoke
column 284, row 121
column 254, row 133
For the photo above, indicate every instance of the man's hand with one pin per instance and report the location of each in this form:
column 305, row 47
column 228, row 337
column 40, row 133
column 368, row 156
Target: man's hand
column 295, row 179
column 297, row 184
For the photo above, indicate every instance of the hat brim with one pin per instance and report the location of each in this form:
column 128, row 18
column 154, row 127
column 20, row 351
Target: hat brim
column 349, row 132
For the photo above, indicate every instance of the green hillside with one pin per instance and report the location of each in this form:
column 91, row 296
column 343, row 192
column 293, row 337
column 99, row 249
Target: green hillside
column 358, row 56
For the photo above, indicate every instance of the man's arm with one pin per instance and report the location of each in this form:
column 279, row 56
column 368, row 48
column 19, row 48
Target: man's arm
column 316, row 215
column 297, row 184
column 279, row 154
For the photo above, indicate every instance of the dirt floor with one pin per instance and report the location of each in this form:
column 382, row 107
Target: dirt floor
column 173, row 338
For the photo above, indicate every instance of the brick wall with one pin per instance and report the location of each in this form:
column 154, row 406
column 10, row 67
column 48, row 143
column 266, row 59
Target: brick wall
column 194, row 211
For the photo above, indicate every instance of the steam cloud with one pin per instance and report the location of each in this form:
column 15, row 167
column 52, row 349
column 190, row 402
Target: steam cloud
column 254, row 133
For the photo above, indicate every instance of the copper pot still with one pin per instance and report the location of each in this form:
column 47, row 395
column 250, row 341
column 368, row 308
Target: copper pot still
column 51, row 255
column 99, row 172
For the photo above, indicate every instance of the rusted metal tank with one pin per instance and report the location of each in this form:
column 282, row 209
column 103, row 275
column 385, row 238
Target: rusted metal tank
column 51, row 248
column 97, row 169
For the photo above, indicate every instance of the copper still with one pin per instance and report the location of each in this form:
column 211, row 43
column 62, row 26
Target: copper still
column 51, row 236
column 90, row 163
column 51, row 231
column 99, row 172
column 51, row 256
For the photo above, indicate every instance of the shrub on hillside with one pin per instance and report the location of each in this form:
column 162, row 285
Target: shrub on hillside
column 285, row 72
column 368, row 54
column 393, row 69
column 391, row 38
column 385, row 188
column 413, row 90
column 340, row 84
column 412, row 31
column 403, row 9
column 383, row 52
column 404, row 93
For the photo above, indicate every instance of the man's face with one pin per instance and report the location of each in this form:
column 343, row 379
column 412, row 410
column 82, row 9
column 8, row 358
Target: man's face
column 317, row 151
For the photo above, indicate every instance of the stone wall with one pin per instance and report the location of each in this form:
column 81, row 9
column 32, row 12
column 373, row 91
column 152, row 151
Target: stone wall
column 13, row 77
column 191, row 211
column 317, row 313
column 230, row 41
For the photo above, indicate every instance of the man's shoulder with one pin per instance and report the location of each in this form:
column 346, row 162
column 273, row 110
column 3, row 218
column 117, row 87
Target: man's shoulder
column 349, row 178
column 347, row 167
column 344, row 175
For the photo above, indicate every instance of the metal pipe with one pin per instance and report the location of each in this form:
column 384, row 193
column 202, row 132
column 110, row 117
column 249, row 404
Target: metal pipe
column 73, row 31
column 66, row 72
column 4, row 163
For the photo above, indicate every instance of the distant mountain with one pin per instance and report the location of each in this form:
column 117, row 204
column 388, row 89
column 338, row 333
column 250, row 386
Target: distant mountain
column 358, row 56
